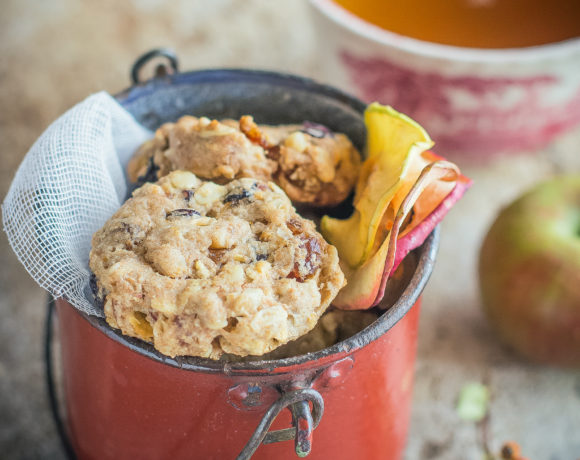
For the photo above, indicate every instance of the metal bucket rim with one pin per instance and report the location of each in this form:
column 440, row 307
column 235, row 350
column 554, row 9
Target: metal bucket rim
column 411, row 293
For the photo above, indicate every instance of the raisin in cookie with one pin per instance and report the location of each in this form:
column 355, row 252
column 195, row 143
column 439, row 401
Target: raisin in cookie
column 313, row 165
column 204, row 269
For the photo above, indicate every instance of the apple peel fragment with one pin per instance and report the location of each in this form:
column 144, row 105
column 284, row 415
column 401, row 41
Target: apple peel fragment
column 394, row 210
column 414, row 238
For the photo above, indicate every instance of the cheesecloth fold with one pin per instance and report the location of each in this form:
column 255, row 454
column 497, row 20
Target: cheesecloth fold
column 69, row 183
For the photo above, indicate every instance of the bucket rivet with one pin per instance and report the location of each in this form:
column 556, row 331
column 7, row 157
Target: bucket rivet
column 250, row 396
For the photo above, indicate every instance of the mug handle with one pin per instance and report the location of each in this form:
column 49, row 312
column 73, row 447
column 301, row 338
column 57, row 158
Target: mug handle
column 304, row 422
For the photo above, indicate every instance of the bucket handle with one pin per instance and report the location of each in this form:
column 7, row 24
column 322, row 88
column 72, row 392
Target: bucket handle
column 304, row 422
column 161, row 70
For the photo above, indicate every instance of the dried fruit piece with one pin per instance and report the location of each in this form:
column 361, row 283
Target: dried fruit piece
column 97, row 294
column 511, row 451
column 417, row 231
column 253, row 132
column 188, row 195
column 295, row 226
column 235, row 196
column 316, row 130
column 305, row 267
column 393, row 140
column 150, row 174
column 366, row 283
column 184, row 212
column 397, row 178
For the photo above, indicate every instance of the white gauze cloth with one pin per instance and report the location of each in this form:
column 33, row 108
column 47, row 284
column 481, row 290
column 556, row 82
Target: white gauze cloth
column 69, row 183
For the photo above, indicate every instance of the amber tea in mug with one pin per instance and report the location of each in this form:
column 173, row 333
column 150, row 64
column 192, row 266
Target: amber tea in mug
column 474, row 23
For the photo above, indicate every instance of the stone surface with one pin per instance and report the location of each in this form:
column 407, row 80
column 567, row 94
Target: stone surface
column 53, row 54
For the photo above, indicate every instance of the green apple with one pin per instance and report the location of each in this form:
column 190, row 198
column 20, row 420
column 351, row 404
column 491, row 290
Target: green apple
column 529, row 273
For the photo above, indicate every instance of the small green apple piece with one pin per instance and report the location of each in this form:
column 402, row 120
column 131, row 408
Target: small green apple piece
column 473, row 402
column 529, row 273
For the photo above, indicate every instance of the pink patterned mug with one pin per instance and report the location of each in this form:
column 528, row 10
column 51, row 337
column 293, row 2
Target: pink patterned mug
column 473, row 102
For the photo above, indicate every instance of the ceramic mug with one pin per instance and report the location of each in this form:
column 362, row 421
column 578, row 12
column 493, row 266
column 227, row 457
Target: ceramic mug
column 473, row 102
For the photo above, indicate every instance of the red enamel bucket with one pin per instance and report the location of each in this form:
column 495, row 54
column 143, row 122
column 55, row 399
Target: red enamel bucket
column 124, row 400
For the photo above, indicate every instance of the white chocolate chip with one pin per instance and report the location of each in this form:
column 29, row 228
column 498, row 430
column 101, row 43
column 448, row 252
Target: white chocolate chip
column 248, row 301
column 187, row 122
column 296, row 141
column 224, row 170
column 184, row 180
column 202, row 221
column 169, row 261
column 271, row 322
column 323, row 164
column 212, row 312
column 202, row 270
column 221, row 130
column 220, row 238
column 236, row 274
column 260, row 269
column 209, row 193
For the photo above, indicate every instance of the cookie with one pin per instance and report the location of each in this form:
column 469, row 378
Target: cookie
column 313, row 165
column 208, row 148
column 204, row 269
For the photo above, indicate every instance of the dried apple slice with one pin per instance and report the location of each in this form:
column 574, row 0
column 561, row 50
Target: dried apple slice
column 433, row 195
column 399, row 175
column 366, row 283
column 413, row 235
column 393, row 140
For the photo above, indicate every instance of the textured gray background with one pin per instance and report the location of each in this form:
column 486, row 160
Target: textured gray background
column 53, row 54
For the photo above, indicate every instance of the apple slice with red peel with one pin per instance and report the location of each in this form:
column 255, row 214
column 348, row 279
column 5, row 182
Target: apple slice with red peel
column 436, row 172
column 398, row 176
column 413, row 236
column 366, row 283
column 433, row 194
column 393, row 141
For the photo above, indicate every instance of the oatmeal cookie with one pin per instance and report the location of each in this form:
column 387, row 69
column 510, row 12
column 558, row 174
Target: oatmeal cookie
column 315, row 165
column 312, row 164
column 208, row 148
column 204, row 269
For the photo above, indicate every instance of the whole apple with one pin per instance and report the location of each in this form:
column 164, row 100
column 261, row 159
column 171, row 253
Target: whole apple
column 529, row 273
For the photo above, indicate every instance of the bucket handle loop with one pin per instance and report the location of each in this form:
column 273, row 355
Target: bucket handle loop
column 161, row 70
column 303, row 420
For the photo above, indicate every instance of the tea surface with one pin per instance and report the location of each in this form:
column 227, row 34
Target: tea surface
column 474, row 23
